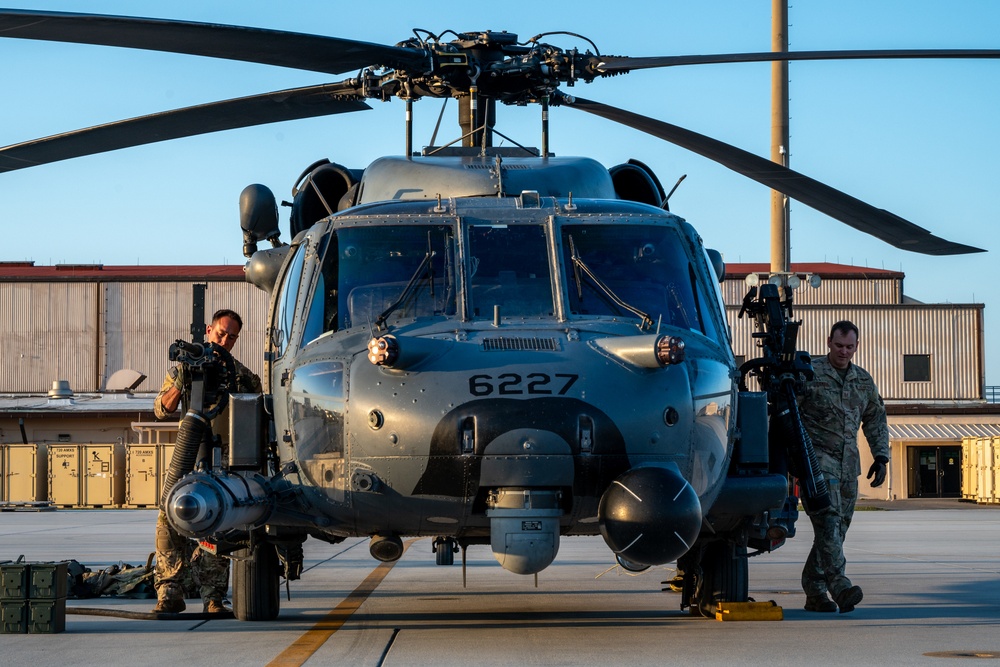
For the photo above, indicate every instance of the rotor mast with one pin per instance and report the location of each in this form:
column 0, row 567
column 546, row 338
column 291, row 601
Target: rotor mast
column 477, row 113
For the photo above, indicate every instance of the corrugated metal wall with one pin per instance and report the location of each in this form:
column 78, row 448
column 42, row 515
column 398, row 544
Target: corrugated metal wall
column 952, row 335
column 49, row 331
column 876, row 291
column 143, row 319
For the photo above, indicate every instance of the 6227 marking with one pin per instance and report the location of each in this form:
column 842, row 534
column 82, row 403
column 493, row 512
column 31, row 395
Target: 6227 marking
column 513, row 384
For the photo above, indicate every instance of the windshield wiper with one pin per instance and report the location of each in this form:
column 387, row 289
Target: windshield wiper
column 579, row 265
column 405, row 294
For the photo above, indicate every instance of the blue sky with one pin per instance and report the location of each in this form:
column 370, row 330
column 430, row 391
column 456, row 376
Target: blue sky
column 919, row 138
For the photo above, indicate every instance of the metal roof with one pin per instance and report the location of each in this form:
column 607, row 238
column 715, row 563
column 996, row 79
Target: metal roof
column 942, row 431
column 77, row 403
column 28, row 272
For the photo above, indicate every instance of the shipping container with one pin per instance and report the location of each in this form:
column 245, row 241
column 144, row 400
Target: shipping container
column 25, row 473
column 970, row 476
column 86, row 475
column 64, row 475
column 144, row 475
column 984, row 465
column 994, row 472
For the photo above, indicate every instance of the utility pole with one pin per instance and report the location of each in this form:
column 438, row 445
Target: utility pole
column 780, row 223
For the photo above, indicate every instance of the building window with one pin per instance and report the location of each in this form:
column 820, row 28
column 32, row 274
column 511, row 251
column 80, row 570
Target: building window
column 916, row 368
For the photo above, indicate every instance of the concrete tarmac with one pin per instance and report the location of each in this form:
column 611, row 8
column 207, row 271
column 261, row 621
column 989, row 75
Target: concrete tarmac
column 930, row 574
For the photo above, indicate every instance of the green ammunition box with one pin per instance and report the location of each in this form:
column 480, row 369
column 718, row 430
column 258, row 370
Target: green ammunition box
column 46, row 616
column 14, row 581
column 47, row 581
column 13, row 617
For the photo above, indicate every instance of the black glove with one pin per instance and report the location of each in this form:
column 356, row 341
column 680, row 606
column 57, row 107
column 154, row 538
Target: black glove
column 878, row 470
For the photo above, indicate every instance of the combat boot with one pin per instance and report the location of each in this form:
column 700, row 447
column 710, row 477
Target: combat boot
column 847, row 598
column 213, row 606
column 170, row 600
column 820, row 602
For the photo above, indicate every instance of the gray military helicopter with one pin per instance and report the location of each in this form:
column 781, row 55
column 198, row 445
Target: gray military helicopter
column 481, row 344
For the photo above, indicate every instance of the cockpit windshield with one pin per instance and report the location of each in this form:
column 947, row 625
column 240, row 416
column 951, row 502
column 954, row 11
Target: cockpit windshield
column 380, row 275
column 509, row 271
column 644, row 271
column 391, row 272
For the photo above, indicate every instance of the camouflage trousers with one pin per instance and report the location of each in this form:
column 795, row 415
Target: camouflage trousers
column 824, row 568
column 181, row 562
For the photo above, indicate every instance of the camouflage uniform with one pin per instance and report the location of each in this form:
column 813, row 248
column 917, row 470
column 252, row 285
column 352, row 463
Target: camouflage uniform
column 174, row 552
column 832, row 411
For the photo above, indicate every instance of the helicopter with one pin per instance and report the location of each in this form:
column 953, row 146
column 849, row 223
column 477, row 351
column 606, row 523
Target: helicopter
column 482, row 344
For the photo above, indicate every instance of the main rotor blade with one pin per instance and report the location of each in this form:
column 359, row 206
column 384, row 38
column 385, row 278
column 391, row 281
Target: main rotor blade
column 617, row 64
column 866, row 218
column 291, row 104
column 257, row 45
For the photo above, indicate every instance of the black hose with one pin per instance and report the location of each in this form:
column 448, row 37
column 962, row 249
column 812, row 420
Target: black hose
column 190, row 435
column 148, row 615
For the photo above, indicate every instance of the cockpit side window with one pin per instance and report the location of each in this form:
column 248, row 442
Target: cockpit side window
column 705, row 300
column 643, row 267
column 509, row 270
column 321, row 311
column 285, row 315
column 391, row 272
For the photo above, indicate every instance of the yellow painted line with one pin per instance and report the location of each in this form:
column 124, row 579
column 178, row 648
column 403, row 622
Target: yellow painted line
column 303, row 648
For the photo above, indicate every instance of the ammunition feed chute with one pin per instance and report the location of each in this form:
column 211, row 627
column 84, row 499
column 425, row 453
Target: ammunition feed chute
column 781, row 372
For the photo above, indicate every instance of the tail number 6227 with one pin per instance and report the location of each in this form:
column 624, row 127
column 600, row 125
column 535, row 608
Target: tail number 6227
column 512, row 384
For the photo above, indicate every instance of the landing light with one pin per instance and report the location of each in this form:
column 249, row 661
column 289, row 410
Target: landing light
column 669, row 350
column 383, row 351
column 648, row 351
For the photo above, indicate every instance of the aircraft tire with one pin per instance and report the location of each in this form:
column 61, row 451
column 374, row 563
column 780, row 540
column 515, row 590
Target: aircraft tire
column 725, row 575
column 256, row 583
column 443, row 553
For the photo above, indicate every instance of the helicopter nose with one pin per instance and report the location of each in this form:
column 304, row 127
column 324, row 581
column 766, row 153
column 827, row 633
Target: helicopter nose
column 650, row 515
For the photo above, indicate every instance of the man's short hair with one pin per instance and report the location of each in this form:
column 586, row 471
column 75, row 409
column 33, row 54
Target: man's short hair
column 225, row 312
column 843, row 326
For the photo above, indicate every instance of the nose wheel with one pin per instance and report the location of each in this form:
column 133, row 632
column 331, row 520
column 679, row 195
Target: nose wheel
column 721, row 576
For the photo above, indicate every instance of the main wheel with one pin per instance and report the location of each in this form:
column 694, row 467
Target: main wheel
column 444, row 551
column 725, row 577
column 256, row 583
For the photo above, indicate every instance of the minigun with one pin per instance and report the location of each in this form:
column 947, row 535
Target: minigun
column 781, row 372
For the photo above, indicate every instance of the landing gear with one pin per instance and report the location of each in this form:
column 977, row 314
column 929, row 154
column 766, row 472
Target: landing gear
column 445, row 549
column 720, row 576
column 256, row 583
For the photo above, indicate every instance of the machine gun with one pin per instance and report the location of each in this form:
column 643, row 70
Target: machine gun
column 211, row 371
column 781, row 372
